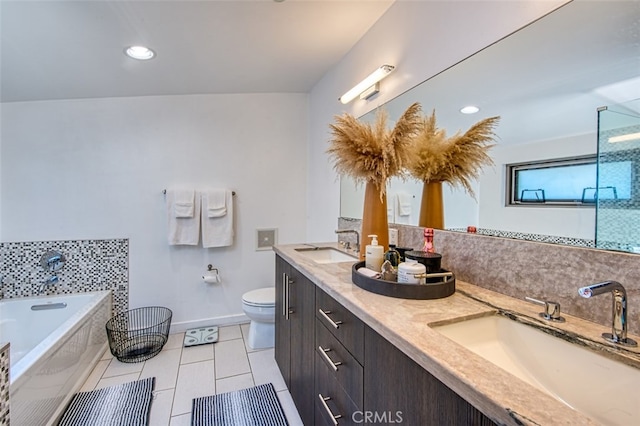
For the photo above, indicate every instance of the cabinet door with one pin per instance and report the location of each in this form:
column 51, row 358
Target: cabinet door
column 397, row 387
column 302, row 321
column 283, row 330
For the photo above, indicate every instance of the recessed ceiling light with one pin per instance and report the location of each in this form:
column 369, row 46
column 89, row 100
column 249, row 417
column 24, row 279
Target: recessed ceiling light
column 469, row 109
column 139, row 52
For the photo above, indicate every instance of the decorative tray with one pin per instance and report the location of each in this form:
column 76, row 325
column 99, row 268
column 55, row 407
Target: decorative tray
column 435, row 288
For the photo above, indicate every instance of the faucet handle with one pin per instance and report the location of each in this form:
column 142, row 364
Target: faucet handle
column 551, row 309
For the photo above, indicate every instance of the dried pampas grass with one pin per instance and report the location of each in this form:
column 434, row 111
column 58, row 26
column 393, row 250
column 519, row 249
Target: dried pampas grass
column 457, row 159
column 373, row 153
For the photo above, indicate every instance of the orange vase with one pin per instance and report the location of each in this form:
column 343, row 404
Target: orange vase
column 431, row 206
column 374, row 218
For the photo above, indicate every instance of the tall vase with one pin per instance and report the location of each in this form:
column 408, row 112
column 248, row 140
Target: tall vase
column 374, row 218
column 431, row 206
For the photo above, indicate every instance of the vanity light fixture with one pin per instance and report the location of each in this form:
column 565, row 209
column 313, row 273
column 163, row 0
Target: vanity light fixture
column 141, row 53
column 469, row 109
column 369, row 86
column 624, row 138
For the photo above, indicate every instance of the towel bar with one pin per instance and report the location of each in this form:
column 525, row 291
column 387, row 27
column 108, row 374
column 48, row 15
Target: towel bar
column 164, row 191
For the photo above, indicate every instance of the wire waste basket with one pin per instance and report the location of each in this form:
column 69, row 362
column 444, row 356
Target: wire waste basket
column 139, row 334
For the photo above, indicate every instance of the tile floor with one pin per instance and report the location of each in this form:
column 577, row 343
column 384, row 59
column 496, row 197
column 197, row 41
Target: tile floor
column 186, row 373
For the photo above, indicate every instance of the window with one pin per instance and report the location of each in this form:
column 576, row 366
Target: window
column 553, row 182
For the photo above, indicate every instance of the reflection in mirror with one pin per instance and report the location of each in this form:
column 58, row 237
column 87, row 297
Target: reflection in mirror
column 546, row 81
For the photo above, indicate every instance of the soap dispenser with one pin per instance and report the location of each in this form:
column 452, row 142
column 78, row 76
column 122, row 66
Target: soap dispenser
column 374, row 254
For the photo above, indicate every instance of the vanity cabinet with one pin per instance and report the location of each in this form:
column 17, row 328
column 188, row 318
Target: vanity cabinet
column 339, row 386
column 341, row 372
column 294, row 336
column 396, row 386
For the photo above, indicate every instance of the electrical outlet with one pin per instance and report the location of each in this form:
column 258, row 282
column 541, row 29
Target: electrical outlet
column 393, row 236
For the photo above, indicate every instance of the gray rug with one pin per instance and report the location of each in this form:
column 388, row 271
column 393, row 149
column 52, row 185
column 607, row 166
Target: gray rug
column 127, row 404
column 258, row 405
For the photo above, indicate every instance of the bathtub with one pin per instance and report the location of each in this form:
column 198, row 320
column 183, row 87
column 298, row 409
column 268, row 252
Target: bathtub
column 55, row 343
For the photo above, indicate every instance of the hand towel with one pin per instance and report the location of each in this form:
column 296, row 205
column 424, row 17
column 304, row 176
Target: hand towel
column 183, row 202
column 216, row 202
column 217, row 231
column 182, row 230
column 404, row 204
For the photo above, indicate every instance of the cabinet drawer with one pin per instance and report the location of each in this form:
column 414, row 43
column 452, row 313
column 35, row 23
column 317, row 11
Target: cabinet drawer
column 345, row 326
column 349, row 373
column 336, row 400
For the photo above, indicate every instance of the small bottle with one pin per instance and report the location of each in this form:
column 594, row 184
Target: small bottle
column 392, row 256
column 428, row 241
column 374, row 254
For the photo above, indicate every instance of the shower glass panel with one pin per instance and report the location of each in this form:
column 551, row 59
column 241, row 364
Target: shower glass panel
column 617, row 192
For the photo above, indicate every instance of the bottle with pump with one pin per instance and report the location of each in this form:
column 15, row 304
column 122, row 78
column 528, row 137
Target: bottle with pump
column 374, row 254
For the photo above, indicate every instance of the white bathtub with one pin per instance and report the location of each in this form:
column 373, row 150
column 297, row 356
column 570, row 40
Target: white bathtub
column 55, row 343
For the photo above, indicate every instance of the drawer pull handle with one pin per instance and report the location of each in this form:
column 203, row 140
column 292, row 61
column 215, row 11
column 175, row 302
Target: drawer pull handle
column 324, row 400
column 326, row 357
column 334, row 324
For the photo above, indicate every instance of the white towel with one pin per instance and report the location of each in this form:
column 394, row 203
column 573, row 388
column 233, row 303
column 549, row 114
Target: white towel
column 183, row 202
column 217, row 231
column 404, row 204
column 182, row 230
column 216, row 202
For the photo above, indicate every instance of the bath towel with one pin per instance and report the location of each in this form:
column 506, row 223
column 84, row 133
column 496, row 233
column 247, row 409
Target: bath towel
column 217, row 231
column 182, row 230
column 216, row 202
column 404, row 204
column 184, row 202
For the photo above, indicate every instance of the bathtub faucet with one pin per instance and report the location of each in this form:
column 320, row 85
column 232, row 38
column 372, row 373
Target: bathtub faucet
column 619, row 321
column 49, row 281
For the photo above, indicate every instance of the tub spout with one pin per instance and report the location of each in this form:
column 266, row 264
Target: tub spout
column 49, row 281
column 618, row 333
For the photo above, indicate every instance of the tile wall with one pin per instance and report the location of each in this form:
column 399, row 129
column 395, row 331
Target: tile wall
column 91, row 265
column 544, row 271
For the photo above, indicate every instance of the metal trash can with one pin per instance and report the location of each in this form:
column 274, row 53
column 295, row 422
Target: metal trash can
column 139, row 334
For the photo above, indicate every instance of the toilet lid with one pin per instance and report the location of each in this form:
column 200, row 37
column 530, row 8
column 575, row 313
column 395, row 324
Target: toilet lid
column 260, row 297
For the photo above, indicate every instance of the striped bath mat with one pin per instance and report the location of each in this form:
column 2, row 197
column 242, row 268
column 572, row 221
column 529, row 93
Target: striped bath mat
column 126, row 404
column 258, row 405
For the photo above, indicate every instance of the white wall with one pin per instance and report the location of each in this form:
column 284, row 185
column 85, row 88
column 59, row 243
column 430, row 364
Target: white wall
column 96, row 168
column 421, row 38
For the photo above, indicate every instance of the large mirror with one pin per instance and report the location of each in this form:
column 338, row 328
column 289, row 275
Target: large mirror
column 546, row 81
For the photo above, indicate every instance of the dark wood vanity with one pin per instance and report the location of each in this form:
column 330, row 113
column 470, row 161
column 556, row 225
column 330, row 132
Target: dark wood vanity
column 341, row 371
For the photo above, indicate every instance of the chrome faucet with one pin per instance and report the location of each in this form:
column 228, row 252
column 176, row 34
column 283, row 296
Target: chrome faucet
column 619, row 321
column 345, row 231
column 49, row 281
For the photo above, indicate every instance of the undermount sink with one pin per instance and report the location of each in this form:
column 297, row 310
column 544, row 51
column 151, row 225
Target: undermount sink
column 600, row 387
column 326, row 255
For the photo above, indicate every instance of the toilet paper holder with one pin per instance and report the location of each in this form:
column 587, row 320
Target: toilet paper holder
column 212, row 276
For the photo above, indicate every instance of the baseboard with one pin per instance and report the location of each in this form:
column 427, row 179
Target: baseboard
column 180, row 327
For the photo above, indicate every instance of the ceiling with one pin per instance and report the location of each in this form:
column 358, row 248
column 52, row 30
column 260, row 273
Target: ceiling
column 74, row 49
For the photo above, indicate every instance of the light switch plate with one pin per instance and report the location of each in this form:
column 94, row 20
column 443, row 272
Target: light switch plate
column 266, row 238
column 393, row 236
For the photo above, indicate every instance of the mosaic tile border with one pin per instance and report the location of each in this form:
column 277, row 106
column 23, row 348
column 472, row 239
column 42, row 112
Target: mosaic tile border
column 91, row 265
column 4, row 385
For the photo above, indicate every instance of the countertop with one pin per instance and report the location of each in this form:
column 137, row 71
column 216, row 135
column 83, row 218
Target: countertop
column 406, row 323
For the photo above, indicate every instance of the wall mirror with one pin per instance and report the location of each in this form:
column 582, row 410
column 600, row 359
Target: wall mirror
column 546, row 81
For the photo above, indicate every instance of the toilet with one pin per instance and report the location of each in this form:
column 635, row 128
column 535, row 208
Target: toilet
column 260, row 306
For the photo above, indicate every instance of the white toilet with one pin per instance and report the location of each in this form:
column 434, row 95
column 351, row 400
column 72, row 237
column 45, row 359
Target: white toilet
column 260, row 306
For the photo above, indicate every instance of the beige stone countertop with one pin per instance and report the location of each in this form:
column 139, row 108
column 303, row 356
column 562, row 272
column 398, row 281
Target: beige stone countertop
column 501, row 396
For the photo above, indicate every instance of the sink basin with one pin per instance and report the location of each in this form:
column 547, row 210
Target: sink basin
column 600, row 387
column 326, row 255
